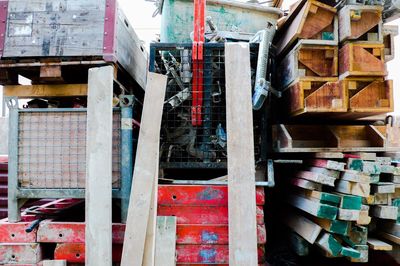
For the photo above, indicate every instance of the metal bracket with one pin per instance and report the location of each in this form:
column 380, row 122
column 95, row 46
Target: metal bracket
column 126, row 100
column 11, row 102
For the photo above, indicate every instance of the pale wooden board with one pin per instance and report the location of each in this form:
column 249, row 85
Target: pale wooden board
column 377, row 244
column 145, row 173
column 53, row 90
column 303, row 226
column 149, row 255
column 54, row 263
column 98, row 232
column 306, row 184
column 241, row 162
column 390, row 237
column 165, row 241
column 384, row 212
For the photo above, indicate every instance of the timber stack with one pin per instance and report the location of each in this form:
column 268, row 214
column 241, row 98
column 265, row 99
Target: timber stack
column 331, row 68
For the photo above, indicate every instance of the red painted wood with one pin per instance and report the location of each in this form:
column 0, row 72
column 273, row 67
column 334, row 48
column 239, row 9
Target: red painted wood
column 210, row 234
column 75, row 252
column 208, row 254
column 72, row 232
column 199, row 195
column 109, row 31
column 20, row 253
column 15, row 233
column 3, row 24
column 202, row 215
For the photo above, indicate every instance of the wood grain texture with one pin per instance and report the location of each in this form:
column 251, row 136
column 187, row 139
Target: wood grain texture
column 303, row 226
column 145, row 172
column 38, row 91
column 98, row 196
column 241, row 172
column 165, row 241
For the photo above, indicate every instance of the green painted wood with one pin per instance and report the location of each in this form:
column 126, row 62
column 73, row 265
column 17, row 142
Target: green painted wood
column 329, row 244
column 350, row 202
column 396, row 202
column 350, row 252
column 368, row 167
column 340, row 227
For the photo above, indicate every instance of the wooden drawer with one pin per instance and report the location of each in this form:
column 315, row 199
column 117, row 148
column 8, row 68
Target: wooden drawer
column 369, row 95
column 307, row 60
column 357, row 59
column 316, row 95
column 361, row 23
column 311, row 21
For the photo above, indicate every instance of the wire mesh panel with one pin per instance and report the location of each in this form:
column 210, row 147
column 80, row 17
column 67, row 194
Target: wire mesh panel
column 52, row 149
column 194, row 120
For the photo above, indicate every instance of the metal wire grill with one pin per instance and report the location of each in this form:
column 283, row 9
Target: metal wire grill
column 188, row 141
column 52, row 149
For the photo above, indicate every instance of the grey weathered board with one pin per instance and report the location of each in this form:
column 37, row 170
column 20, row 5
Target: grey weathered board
column 145, row 171
column 98, row 198
column 74, row 28
column 241, row 162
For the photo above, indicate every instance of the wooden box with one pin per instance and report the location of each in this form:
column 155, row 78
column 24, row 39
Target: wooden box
column 361, row 23
column 311, row 21
column 357, row 59
column 389, row 32
column 87, row 30
column 369, row 96
column 307, row 60
column 316, row 95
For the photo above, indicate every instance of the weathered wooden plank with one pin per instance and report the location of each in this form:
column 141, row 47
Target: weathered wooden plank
column 333, row 226
column 316, row 177
column 306, row 184
column 382, row 188
column 313, row 208
column 20, row 253
column 145, row 173
column 241, row 173
column 355, row 176
column 323, row 197
column 377, row 244
column 364, row 218
column 384, row 212
column 350, row 252
column 353, row 188
column 328, row 164
column 99, row 167
column 363, row 249
column 165, row 241
column 54, row 263
column 349, row 201
column 390, row 237
column 332, row 173
column 329, row 243
column 348, row 215
column 51, row 90
column 303, row 226
column 368, row 167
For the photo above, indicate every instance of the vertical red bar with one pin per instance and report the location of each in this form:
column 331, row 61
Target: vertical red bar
column 3, row 25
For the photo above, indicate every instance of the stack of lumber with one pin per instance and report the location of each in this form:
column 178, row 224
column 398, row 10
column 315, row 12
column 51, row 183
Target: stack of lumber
column 344, row 207
column 333, row 61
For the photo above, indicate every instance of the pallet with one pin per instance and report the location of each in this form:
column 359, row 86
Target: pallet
column 315, row 95
column 319, row 138
column 369, row 96
column 89, row 29
column 362, row 60
column 307, row 60
column 311, row 20
column 360, row 23
column 389, row 32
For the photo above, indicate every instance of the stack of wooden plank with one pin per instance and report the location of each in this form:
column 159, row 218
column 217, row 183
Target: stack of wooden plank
column 344, row 207
column 333, row 62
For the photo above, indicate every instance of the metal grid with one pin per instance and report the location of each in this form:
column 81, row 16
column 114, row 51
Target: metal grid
column 185, row 144
column 52, row 149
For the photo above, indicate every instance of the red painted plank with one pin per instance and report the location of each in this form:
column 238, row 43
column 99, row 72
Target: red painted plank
column 210, row 234
column 199, row 195
column 208, row 254
column 20, row 253
column 72, row 232
column 202, row 215
column 15, row 233
column 75, row 252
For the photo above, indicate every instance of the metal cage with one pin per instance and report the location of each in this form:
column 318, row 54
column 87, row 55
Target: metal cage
column 185, row 144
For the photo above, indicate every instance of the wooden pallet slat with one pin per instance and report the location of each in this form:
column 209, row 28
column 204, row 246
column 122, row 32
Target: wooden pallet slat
column 389, row 32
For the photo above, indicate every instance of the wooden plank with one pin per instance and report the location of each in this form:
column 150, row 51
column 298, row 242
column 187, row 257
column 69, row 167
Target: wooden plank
column 313, row 208
column 328, row 164
column 350, row 252
column 149, row 255
column 364, row 218
column 348, row 215
column 390, row 237
column 330, row 244
column 376, row 244
column 383, row 187
column 323, row 197
column 54, row 263
column 320, row 170
column 241, row 173
column 303, row 226
column 384, row 212
column 368, row 167
column 165, row 241
column 99, row 167
column 357, row 236
column 333, row 226
column 349, row 201
column 363, row 249
column 50, row 90
column 357, row 189
column 145, row 173
column 315, row 177
column 306, row 184
column 354, row 176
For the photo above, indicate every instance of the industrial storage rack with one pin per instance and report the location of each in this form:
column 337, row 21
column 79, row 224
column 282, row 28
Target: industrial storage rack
column 183, row 145
column 47, row 154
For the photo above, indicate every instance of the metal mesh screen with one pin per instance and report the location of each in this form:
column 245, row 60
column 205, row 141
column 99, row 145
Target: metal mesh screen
column 52, row 149
column 184, row 143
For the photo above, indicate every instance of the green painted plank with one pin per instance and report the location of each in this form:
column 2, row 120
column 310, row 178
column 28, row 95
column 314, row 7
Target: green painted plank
column 350, row 252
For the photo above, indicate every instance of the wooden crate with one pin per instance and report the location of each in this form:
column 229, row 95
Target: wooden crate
column 361, row 23
column 389, row 32
column 316, row 95
column 312, row 21
column 322, row 138
column 307, row 60
column 77, row 31
column 369, row 96
column 357, row 59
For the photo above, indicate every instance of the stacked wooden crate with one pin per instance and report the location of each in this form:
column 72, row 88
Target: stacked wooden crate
column 344, row 206
column 333, row 62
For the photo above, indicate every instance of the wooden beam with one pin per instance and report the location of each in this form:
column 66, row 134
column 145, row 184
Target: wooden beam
column 99, row 167
column 314, row 208
column 54, row 263
column 306, row 228
column 241, row 162
column 306, row 184
column 165, row 241
column 390, row 237
column 384, row 212
column 315, row 177
column 145, row 173
column 377, row 244
column 353, row 188
column 348, row 215
column 328, row 164
column 49, row 90
column 329, row 243
column 333, row 226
